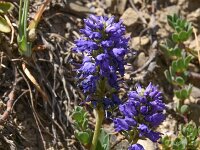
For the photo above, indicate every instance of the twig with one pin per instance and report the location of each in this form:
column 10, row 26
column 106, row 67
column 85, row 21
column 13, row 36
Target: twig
column 151, row 58
column 197, row 44
column 11, row 97
column 139, row 14
column 38, row 15
column 33, row 109
column 12, row 28
column 35, row 83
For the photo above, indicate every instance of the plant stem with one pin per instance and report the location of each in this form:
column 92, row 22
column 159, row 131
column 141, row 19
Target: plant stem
column 99, row 120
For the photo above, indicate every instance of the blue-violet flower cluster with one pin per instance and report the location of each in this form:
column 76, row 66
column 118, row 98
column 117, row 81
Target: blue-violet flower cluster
column 104, row 46
column 143, row 112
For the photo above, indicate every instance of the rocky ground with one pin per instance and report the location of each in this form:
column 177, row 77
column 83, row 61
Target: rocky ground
column 36, row 122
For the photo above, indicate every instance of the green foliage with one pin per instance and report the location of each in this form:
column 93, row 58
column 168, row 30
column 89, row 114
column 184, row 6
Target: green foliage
column 103, row 141
column 171, row 50
column 180, row 65
column 183, row 29
column 166, row 143
column 82, row 131
column 184, row 93
column 177, row 72
column 175, row 50
column 188, row 139
column 5, row 7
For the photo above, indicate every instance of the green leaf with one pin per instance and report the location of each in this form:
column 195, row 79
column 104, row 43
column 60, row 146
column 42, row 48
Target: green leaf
column 183, row 36
column 179, row 144
column 180, row 65
column 183, row 24
column 189, row 30
column 184, row 109
column 6, row 7
column 184, row 94
column 190, row 131
column 77, row 116
column 177, row 52
column 103, row 141
column 187, row 60
column 180, row 80
column 85, row 124
column 174, row 66
column 175, row 38
column 83, row 137
column 178, row 94
column 170, row 21
column 166, row 142
column 4, row 26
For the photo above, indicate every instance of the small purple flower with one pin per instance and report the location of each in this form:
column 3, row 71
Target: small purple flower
column 145, row 107
column 87, row 68
column 136, row 147
column 89, row 84
column 128, row 109
column 124, row 124
column 155, row 119
column 85, row 46
column 146, row 132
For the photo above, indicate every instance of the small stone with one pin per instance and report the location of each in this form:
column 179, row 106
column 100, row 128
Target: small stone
column 144, row 40
column 147, row 144
column 141, row 59
column 127, row 76
column 137, row 1
column 136, row 42
column 129, row 17
column 195, row 92
column 99, row 11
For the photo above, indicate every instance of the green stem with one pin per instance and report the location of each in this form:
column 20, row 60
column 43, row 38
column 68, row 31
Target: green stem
column 99, row 120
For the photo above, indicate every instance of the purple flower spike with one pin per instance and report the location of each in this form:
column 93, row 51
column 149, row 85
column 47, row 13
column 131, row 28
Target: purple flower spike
column 145, row 107
column 103, row 46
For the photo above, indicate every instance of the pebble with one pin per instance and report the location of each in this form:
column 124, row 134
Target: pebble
column 129, row 17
